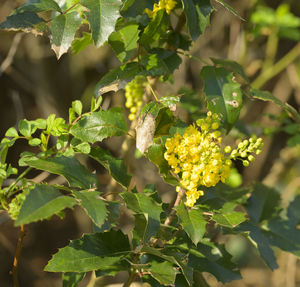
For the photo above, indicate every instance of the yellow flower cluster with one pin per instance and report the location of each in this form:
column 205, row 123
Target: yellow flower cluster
column 168, row 5
column 196, row 157
column 134, row 92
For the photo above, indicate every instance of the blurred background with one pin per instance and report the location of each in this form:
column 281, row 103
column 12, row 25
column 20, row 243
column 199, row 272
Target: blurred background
column 34, row 84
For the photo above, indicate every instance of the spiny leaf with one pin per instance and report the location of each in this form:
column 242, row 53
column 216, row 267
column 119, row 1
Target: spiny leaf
column 100, row 125
column 224, row 96
column 94, row 206
column 102, row 16
column 229, row 219
column 116, row 167
column 42, row 202
column 197, row 15
column 124, row 41
column 163, row 272
column 39, row 6
column 91, row 252
column 76, row 174
column 192, row 222
column 63, row 28
column 80, row 44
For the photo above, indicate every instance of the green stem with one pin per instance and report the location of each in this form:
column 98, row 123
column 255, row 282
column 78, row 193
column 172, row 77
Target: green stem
column 193, row 57
column 13, row 185
column 152, row 91
column 71, row 7
column 271, row 49
column 276, row 68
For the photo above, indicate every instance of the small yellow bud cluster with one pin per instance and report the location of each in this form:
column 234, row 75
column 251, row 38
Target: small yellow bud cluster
column 168, row 5
column 246, row 148
column 134, row 92
column 196, row 157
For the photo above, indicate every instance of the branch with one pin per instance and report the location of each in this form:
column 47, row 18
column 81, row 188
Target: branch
column 11, row 53
column 172, row 214
column 16, row 258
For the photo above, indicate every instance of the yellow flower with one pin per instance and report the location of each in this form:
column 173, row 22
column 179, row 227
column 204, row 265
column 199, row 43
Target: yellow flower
column 168, row 5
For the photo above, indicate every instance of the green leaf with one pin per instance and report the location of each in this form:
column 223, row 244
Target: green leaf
column 283, row 234
column 163, row 272
column 192, row 222
column 155, row 29
column 116, row 167
column 142, row 204
column 261, row 243
column 39, row 6
column 12, row 133
column 41, row 203
column 197, row 15
column 80, row 44
column 76, row 174
column 63, row 29
column 293, row 212
column 102, row 16
column 77, row 107
column 267, row 96
column 134, row 8
column 223, row 95
column 212, row 258
column 34, row 142
column 263, row 203
column 71, row 279
column 124, row 41
column 25, row 128
column 94, row 206
column 117, row 78
column 91, row 252
column 100, row 125
column 155, row 154
column 229, row 219
column 160, row 62
column 113, row 214
column 229, row 8
column 22, row 21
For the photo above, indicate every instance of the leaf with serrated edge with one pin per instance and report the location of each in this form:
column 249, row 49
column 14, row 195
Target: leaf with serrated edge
column 76, row 174
column 116, row 167
column 42, row 202
column 91, row 252
column 100, row 125
column 163, row 272
column 230, row 219
column 102, row 16
column 63, row 28
column 192, row 222
column 197, row 15
column 94, row 206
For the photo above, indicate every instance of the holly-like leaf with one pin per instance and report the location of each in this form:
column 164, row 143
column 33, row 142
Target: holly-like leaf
column 192, row 222
column 224, row 96
column 293, row 212
column 39, row 6
column 163, row 272
column 282, row 234
column 124, row 41
column 133, row 8
column 71, row 279
column 156, row 27
column 267, row 96
column 155, row 154
column 76, row 174
column 212, row 258
column 94, row 206
column 102, row 16
column 113, row 214
column 41, row 203
column 197, row 15
column 229, row 219
column 100, row 125
column 91, row 252
column 263, row 203
column 63, row 28
column 80, row 44
column 143, row 204
column 229, row 8
column 117, row 78
column 22, row 21
column 116, row 167
column 262, row 243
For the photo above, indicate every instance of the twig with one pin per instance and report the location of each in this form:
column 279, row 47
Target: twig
column 16, row 258
column 172, row 214
column 11, row 53
column 130, row 279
